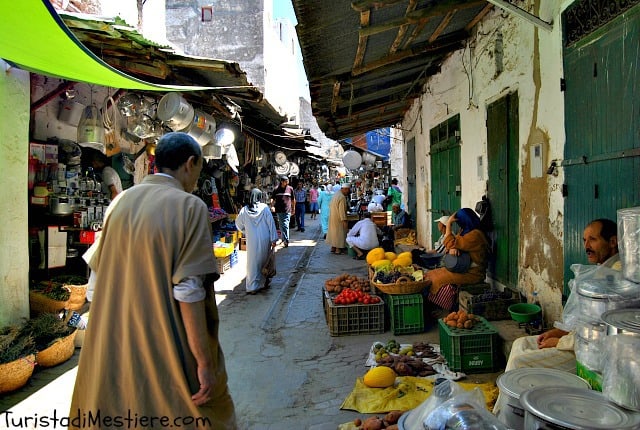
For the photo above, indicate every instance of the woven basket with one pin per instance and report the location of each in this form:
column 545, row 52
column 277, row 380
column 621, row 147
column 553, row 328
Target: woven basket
column 40, row 303
column 404, row 285
column 15, row 374
column 78, row 296
column 61, row 350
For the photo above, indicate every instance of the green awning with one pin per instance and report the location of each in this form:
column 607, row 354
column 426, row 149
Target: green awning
column 34, row 38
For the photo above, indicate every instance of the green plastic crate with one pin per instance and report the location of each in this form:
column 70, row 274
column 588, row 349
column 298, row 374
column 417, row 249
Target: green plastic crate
column 473, row 350
column 406, row 313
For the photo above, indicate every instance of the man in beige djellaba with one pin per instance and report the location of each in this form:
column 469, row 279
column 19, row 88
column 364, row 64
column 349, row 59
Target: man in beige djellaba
column 151, row 356
column 338, row 224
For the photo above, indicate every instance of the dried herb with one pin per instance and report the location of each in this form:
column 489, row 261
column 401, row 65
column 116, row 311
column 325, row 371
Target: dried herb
column 15, row 344
column 69, row 280
column 45, row 329
column 53, row 290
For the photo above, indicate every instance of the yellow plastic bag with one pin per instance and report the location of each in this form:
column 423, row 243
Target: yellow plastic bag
column 407, row 393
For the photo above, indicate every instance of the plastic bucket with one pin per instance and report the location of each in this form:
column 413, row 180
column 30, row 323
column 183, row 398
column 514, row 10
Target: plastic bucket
column 175, row 111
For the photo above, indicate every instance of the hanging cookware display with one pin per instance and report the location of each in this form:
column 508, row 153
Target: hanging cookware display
column 351, row 159
column 91, row 129
column 202, row 128
column 282, row 170
column 280, row 158
column 294, row 170
column 175, row 111
column 570, row 408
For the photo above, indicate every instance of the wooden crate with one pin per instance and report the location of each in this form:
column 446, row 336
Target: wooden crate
column 379, row 218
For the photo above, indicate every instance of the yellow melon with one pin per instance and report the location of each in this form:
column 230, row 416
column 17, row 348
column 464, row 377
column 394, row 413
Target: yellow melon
column 390, row 255
column 380, row 377
column 374, row 255
column 406, row 254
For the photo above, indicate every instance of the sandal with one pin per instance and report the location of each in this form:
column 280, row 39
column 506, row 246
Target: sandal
column 340, row 251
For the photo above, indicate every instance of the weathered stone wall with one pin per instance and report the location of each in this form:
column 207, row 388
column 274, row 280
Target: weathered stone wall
column 236, row 32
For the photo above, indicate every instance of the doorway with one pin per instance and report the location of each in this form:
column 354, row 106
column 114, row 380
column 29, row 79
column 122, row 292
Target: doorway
column 503, row 193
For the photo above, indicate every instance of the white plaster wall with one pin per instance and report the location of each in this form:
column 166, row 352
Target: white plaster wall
column 282, row 86
column 14, row 152
column 467, row 83
column 153, row 14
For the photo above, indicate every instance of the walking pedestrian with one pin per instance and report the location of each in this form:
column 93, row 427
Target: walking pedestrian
column 256, row 223
column 338, row 224
column 152, row 347
column 313, row 201
column 300, row 195
column 324, row 198
column 284, row 204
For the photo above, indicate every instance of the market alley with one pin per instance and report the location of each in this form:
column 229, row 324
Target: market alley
column 285, row 370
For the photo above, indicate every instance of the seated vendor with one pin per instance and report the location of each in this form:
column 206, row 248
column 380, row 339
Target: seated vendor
column 470, row 239
column 399, row 218
column 363, row 236
column 554, row 348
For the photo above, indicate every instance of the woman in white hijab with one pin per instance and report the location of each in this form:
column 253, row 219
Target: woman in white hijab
column 256, row 222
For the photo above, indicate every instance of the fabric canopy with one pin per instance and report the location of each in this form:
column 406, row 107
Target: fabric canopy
column 33, row 37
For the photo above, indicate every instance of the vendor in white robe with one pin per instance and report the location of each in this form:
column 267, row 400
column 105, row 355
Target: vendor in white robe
column 363, row 236
column 256, row 222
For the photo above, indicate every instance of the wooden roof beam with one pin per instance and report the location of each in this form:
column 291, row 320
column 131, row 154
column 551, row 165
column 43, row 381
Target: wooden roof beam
column 403, row 28
column 362, row 40
column 439, row 9
column 476, row 19
column 443, row 24
column 402, row 55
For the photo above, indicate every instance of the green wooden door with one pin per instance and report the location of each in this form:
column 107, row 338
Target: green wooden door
column 411, row 180
column 503, row 164
column 602, row 120
column 445, row 170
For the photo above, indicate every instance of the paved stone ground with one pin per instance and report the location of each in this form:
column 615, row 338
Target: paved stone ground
column 285, row 370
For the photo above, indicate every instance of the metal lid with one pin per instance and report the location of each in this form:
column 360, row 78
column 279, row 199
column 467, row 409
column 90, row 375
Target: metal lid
column 597, row 288
column 514, row 382
column 591, row 330
column 626, row 319
column 577, row 409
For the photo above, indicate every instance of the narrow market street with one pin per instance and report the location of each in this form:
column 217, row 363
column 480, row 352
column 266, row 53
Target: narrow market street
column 285, row 370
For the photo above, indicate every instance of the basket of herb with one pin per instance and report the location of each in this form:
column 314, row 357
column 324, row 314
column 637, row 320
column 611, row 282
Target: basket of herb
column 53, row 338
column 77, row 286
column 48, row 297
column 17, row 358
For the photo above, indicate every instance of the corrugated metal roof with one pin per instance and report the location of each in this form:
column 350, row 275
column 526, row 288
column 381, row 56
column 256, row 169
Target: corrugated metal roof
column 366, row 60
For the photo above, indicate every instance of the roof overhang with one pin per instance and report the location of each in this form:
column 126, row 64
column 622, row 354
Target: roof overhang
column 367, row 60
column 109, row 53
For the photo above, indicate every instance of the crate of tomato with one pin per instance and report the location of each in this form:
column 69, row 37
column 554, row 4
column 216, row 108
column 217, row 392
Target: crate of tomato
column 353, row 312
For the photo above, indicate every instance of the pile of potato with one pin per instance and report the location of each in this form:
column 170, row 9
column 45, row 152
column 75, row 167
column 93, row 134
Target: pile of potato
column 388, row 422
column 337, row 284
column 461, row 319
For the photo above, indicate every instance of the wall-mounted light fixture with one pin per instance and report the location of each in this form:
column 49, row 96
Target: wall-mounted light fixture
column 553, row 168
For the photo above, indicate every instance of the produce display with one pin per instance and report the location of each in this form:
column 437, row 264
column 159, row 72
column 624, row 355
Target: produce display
column 405, row 360
column 388, row 422
column 389, row 267
column 349, row 296
column 379, row 377
column 461, row 319
column 340, row 282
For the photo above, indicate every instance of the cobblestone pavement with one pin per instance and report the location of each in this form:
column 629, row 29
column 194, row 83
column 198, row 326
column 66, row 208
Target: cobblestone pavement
column 285, row 370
